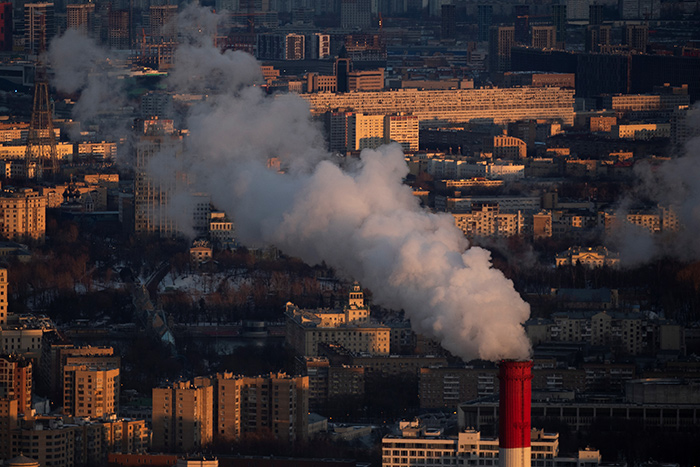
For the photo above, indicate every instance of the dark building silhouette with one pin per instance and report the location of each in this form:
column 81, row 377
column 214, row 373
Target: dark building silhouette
column 5, row 26
column 342, row 72
column 501, row 40
column 522, row 24
column 595, row 15
column 598, row 73
column 636, row 37
column 449, row 22
column 484, row 19
column 559, row 21
column 597, row 37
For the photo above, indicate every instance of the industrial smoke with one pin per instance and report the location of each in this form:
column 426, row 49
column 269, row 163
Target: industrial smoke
column 355, row 215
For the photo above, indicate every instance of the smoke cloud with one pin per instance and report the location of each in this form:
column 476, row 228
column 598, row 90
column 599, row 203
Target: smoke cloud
column 356, row 216
column 81, row 65
column 672, row 185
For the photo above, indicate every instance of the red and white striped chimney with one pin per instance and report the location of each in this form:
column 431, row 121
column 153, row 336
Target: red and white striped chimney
column 514, row 413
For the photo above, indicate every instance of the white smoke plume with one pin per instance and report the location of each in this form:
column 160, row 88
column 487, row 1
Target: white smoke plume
column 360, row 218
column 672, row 185
column 81, row 65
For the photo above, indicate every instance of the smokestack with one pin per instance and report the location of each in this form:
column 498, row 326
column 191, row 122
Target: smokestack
column 514, row 413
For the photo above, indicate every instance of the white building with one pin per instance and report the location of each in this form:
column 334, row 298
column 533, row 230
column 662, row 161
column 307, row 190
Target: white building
column 419, row 447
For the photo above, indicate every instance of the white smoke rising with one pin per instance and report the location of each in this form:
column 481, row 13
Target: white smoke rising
column 81, row 65
column 675, row 185
column 361, row 219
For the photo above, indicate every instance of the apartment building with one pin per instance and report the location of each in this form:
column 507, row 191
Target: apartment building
column 23, row 215
column 226, row 407
column 90, row 390
column 57, row 354
column 487, row 221
column 16, row 381
column 183, row 416
column 456, row 105
column 59, row 442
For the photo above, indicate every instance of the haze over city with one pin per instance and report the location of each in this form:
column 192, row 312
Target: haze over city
column 349, row 233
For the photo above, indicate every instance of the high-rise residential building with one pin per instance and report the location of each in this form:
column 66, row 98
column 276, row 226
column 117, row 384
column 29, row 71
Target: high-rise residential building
column 16, row 381
column 355, row 14
column 559, row 20
column 294, row 47
column 544, row 37
column 57, row 354
column 367, row 131
column 163, row 22
column 318, row 46
column 22, row 215
column 151, row 195
column 90, row 390
column 3, row 296
column 82, row 18
column 5, row 26
column 501, row 40
column 277, row 404
column 342, row 71
column 484, row 19
column 448, row 18
column 39, row 26
column 338, row 124
column 597, row 37
column 595, row 14
column 402, row 129
column 118, row 29
column 183, row 416
column 637, row 37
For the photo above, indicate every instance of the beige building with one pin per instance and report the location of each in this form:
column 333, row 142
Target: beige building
column 16, row 381
column 590, row 257
column 365, row 131
column 90, row 390
column 65, row 442
column 183, row 416
column 508, row 147
column 3, row 297
column 277, row 404
column 544, row 37
column 55, row 356
column 456, row 105
column 641, row 131
column 402, row 129
column 226, row 407
column 23, row 215
column 487, row 221
column 349, row 327
column 23, row 335
column 366, row 80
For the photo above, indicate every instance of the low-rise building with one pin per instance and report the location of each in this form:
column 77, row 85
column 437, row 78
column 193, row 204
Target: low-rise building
column 421, row 447
column 588, row 257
